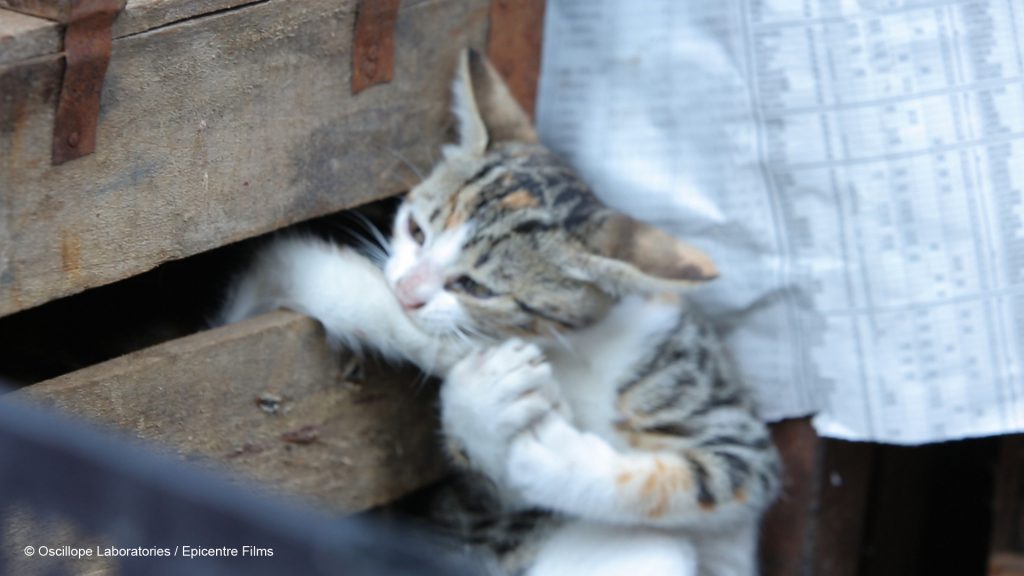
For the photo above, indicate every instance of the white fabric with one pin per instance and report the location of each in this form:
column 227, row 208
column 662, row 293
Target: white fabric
column 854, row 168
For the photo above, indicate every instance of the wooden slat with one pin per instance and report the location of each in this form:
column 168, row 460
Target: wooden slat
column 842, row 506
column 213, row 130
column 894, row 535
column 23, row 37
column 268, row 400
column 138, row 15
column 1006, row 564
column 1007, row 541
column 514, row 46
column 51, row 9
column 141, row 15
column 31, row 29
column 784, row 534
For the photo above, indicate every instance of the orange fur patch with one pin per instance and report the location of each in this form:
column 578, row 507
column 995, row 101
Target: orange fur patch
column 650, row 486
column 623, row 478
column 666, row 479
column 672, row 476
column 659, row 508
column 650, row 443
column 456, row 210
column 665, row 298
column 456, row 218
column 661, row 479
column 654, row 483
column 519, row 199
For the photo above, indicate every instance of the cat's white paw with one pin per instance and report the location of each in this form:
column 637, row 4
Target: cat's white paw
column 495, row 395
column 555, row 461
column 534, row 461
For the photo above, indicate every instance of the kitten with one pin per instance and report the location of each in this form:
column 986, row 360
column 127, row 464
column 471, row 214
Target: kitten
column 595, row 417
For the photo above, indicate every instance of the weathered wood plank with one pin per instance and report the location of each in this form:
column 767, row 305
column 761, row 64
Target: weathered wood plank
column 268, row 400
column 23, row 37
column 784, row 534
column 51, row 9
column 213, row 130
column 514, row 46
column 843, row 505
column 137, row 16
column 1007, row 540
column 1006, row 564
column 141, row 15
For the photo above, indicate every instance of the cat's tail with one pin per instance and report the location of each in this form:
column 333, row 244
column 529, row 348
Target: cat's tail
column 345, row 292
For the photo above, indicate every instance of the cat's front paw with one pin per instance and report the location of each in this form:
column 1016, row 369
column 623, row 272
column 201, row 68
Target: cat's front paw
column 494, row 396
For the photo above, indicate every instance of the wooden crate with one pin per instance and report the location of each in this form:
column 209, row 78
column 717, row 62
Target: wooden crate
column 266, row 399
column 218, row 121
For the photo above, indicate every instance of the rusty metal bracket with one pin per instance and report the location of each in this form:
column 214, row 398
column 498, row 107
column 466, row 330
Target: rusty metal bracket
column 373, row 45
column 87, row 45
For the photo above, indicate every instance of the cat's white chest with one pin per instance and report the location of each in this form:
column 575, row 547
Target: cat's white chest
column 597, row 361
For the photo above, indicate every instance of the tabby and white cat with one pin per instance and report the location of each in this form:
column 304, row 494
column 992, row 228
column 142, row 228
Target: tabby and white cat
column 596, row 420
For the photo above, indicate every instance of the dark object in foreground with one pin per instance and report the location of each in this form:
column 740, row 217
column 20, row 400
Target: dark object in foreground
column 133, row 498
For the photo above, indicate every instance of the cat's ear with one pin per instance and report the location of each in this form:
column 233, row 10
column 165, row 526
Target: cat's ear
column 486, row 111
column 625, row 255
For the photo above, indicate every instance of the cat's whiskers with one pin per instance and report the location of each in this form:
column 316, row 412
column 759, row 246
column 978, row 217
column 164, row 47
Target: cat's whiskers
column 479, row 336
column 415, row 170
column 562, row 340
column 420, row 381
column 462, row 334
column 370, row 241
column 381, row 242
column 374, row 252
column 429, row 363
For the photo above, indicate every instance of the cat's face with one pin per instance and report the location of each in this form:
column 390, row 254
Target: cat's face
column 477, row 245
column 503, row 239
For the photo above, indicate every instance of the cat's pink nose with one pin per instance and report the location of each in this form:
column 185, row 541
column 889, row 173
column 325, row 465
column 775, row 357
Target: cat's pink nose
column 410, row 304
column 407, row 292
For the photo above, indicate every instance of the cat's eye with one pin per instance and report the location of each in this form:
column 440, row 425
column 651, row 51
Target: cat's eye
column 415, row 231
column 467, row 285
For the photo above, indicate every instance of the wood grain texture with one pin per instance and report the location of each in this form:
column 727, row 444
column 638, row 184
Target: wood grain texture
column 514, row 46
column 373, row 49
column 267, row 400
column 785, row 533
column 138, row 16
column 59, row 10
column 213, row 130
column 843, row 506
column 23, row 37
column 1006, row 564
column 1007, row 540
column 141, row 15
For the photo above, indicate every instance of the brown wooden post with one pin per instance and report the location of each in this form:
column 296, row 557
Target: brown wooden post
column 841, row 501
column 514, row 46
column 1007, row 552
column 785, row 530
